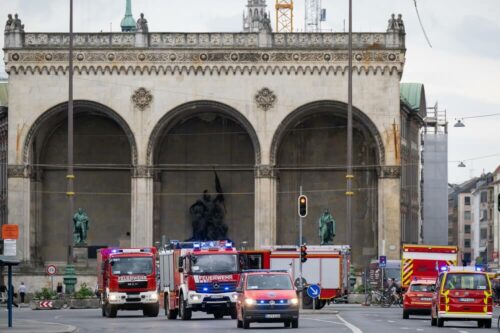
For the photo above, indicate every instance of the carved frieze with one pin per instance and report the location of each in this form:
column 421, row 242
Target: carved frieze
column 265, row 171
column 390, row 171
column 142, row 98
column 265, row 99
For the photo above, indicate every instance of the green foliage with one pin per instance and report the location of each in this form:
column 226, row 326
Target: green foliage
column 84, row 292
column 360, row 289
column 45, row 293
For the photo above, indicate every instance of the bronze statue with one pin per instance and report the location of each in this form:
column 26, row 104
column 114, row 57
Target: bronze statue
column 326, row 227
column 142, row 24
column 80, row 227
column 207, row 216
column 9, row 25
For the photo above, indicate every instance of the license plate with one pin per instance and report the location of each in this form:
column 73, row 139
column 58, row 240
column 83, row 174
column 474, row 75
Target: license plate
column 466, row 300
column 272, row 316
column 426, row 299
column 216, row 296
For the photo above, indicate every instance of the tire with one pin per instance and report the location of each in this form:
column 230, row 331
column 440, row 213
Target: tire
column 110, row 310
column 246, row 324
column 184, row 312
column 239, row 324
column 406, row 314
column 433, row 320
column 295, row 323
column 487, row 323
column 218, row 315
column 287, row 324
column 171, row 314
column 234, row 314
column 385, row 302
column 440, row 322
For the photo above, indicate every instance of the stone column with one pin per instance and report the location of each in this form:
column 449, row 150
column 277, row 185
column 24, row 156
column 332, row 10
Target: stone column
column 142, row 208
column 19, row 195
column 389, row 212
column 265, row 205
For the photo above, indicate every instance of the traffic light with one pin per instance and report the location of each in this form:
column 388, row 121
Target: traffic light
column 303, row 253
column 302, row 206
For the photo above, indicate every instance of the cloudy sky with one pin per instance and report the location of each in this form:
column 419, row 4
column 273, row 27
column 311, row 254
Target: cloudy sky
column 461, row 71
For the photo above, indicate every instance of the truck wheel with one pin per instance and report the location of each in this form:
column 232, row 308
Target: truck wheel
column 246, row 324
column 480, row 324
column 234, row 314
column 295, row 323
column 218, row 315
column 239, row 324
column 184, row 312
column 287, row 324
column 110, row 310
column 440, row 322
column 433, row 320
column 171, row 314
column 487, row 323
column 151, row 310
column 406, row 314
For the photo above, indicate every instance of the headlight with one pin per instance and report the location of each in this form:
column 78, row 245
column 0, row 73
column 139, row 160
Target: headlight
column 294, row 301
column 113, row 297
column 195, row 297
column 249, row 301
column 154, row 297
column 235, row 296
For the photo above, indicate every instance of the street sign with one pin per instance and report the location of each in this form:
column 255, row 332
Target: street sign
column 51, row 270
column 314, row 291
column 9, row 247
column 297, row 282
column 10, row 231
column 45, row 304
column 382, row 261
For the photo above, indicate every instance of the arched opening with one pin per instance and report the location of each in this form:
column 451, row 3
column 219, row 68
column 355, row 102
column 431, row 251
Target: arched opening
column 310, row 150
column 204, row 146
column 104, row 151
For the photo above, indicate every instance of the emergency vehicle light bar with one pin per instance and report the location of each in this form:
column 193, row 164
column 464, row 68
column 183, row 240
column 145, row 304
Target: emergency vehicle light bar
column 130, row 250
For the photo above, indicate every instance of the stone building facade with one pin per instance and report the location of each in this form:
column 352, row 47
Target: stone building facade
column 158, row 115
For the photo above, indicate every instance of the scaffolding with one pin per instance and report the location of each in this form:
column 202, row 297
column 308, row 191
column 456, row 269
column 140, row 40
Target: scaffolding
column 284, row 15
column 312, row 16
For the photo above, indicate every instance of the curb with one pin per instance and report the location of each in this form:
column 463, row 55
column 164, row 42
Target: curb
column 20, row 326
column 318, row 312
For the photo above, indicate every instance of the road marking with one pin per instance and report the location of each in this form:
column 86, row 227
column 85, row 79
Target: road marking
column 404, row 328
column 463, row 332
column 325, row 321
column 420, row 329
column 353, row 328
column 391, row 321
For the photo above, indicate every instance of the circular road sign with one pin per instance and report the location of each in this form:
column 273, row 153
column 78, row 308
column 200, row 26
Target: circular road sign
column 314, row 291
column 51, row 270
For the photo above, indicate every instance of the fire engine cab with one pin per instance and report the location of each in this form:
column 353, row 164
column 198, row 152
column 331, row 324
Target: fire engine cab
column 126, row 280
column 199, row 276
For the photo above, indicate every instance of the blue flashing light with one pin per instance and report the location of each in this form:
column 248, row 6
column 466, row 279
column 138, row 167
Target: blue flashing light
column 229, row 245
column 443, row 268
column 282, row 301
column 205, row 289
column 226, row 288
column 114, row 251
column 196, row 246
column 261, row 302
column 479, row 268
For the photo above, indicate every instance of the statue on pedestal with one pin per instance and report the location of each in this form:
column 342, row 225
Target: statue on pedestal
column 9, row 25
column 326, row 227
column 142, row 24
column 80, row 227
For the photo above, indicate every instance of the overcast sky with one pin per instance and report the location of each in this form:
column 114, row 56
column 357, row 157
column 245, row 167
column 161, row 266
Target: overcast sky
column 461, row 71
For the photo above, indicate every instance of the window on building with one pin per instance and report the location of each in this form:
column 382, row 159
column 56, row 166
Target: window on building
column 484, row 215
column 467, row 201
column 484, row 196
column 484, row 233
column 467, row 229
column 467, row 215
column 467, row 243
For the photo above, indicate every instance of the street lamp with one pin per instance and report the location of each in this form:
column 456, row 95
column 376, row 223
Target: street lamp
column 461, row 164
column 459, row 124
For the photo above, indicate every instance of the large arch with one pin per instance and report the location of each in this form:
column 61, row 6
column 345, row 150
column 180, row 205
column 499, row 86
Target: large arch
column 309, row 150
column 104, row 156
column 191, row 146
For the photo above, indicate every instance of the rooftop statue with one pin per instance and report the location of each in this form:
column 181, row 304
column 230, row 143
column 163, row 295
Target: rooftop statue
column 396, row 24
column 142, row 24
column 9, row 25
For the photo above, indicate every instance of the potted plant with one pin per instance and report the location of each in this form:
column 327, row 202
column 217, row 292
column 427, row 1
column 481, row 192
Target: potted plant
column 46, row 299
column 84, row 298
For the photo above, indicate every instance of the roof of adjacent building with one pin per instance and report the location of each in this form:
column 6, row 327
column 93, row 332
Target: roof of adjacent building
column 4, row 93
column 412, row 95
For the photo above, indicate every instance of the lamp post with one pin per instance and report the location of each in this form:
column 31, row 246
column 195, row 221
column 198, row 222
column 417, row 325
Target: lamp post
column 460, row 123
column 69, row 272
column 349, row 176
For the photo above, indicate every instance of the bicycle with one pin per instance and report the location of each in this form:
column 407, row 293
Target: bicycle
column 393, row 299
column 376, row 297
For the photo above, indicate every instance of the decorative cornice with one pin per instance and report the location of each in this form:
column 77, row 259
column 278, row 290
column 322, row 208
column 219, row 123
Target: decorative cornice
column 142, row 171
column 265, row 99
column 142, row 98
column 390, row 171
column 18, row 171
column 265, row 171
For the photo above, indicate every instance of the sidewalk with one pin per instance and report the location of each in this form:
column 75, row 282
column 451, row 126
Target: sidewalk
column 33, row 326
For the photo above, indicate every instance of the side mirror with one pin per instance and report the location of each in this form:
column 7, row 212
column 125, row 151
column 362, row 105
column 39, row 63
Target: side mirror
column 239, row 290
column 181, row 270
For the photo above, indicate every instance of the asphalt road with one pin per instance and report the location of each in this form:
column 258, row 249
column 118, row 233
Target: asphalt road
column 350, row 319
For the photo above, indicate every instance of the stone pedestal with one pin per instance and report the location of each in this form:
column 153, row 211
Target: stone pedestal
column 81, row 256
column 141, row 39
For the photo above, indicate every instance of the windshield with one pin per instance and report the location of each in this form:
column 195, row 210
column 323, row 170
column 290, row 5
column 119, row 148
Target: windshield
column 132, row 266
column 466, row 282
column 269, row 282
column 422, row 287
column 214, row 263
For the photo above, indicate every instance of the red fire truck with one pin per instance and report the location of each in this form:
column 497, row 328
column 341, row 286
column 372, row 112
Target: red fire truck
column 327, row 266
column 199, row 276
column 425, row 262
column 127, row 280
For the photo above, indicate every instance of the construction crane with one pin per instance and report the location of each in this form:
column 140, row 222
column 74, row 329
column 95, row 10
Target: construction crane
column 284, row 15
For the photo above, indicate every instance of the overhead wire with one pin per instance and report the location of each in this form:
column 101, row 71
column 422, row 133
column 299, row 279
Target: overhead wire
column 421, row 24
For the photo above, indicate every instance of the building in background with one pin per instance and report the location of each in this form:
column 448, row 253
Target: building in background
column 413, row 113
column 435, row 178
column 482, row 223
column 496, row 217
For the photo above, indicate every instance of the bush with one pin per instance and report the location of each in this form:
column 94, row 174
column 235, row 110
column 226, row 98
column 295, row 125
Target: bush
column 84, row 292
column 360, row 289
column 45, row 293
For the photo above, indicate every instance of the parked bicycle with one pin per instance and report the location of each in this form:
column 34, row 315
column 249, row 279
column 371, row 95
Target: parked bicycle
column 376, row 297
